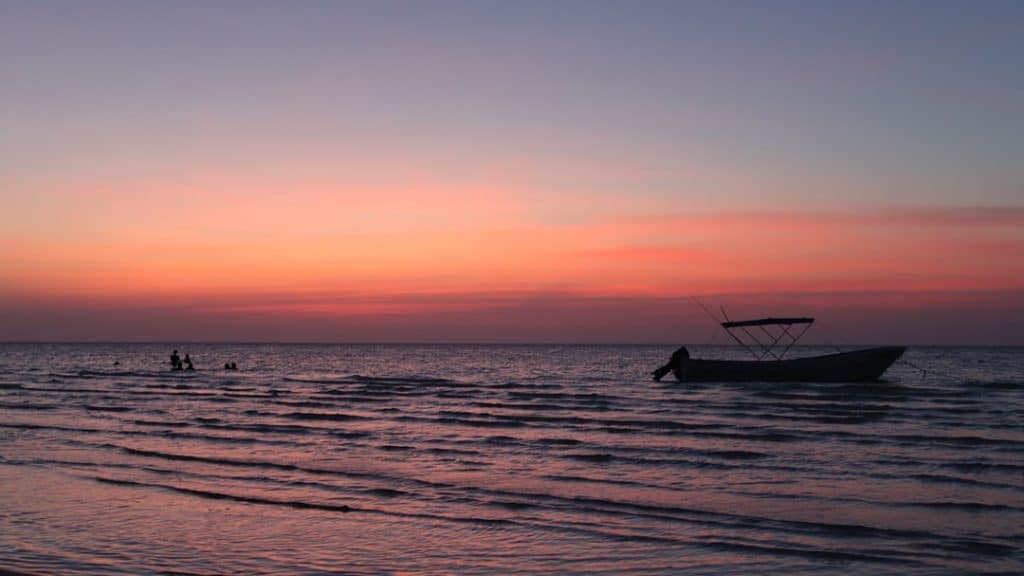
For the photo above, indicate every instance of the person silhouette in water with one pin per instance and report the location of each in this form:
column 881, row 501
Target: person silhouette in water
column 188, row 363
column 175, row 361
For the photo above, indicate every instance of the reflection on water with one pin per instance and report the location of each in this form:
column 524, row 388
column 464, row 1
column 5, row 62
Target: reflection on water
column 490, row 459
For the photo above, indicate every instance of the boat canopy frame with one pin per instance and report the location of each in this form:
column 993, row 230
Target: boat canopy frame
column 785, row 335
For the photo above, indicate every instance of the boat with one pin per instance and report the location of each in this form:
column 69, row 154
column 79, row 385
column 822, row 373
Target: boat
column 770, row 363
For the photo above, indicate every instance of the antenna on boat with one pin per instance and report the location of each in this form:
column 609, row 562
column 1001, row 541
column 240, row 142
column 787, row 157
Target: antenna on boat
column 707, row 311
column 716, row 321
column 722, row 322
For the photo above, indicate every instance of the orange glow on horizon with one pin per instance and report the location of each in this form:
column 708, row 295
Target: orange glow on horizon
column 464, row 244
column 431, row 261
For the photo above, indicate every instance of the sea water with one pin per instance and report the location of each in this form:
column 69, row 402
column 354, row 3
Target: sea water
column 384, row 459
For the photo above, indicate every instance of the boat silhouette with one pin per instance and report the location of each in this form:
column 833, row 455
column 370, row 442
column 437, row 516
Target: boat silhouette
column 769, row 348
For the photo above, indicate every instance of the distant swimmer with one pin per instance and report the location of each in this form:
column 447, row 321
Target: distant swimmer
column 188, row 363
column 175, row 361
column 230, row 366
column 234, row 366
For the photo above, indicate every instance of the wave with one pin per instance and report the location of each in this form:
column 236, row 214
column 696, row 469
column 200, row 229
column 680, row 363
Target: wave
column 589, row 506
column 713, row 455
column 270, row 394
column 160, row 423
column 97, row 408
column 329, row 416
column 452, row 452
column 260, row 428
column 811, row 553
column 361, row 396
column 258, row 464
column 529, row 406
column 595, row 480
column 983, row 466
column 375, row 380
column 235, row 497
column 178, row 386
column 349, row 435
column 968, row 506
column 26, row 406
column 466, row 422
column 996, row 384
column 558, row 441
column 34, row 426
column 153, row 433
column 408, row 380
column 949, row 441
column 601, row 457
column 512, row 505
column 386, row 492
column 305, row 404
column 596, row 505
column 93, row 374
column 506, row 420
column 270, row 465
column 163, row 391
column 205, row 459
column 530, row 386
column 516, row 501
column 325, row 380
column 960, row 480
column 346, row 508
column 579, row 397
column 752, row 435
column 227, row 439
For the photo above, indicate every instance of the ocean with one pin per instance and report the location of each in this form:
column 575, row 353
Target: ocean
column 487, row 459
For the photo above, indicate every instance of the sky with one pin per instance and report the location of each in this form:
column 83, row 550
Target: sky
column 511, row 171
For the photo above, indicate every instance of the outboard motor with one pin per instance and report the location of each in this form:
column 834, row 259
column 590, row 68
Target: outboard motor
column 676, row 363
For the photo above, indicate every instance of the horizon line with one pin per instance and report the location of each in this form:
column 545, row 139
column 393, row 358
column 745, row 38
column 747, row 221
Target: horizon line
column 453, row 343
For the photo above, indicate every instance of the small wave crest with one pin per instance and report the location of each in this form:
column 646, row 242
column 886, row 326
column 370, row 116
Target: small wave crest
column 372, row 380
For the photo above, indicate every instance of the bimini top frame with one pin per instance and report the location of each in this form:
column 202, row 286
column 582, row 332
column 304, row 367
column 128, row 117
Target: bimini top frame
column 783, row 335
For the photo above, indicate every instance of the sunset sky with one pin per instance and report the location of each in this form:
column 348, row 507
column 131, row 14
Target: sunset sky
column 549, row 171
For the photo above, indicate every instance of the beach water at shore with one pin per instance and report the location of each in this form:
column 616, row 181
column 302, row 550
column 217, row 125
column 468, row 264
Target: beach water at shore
column 476, row 459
